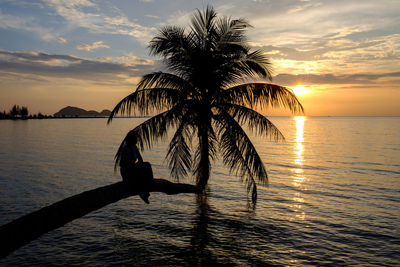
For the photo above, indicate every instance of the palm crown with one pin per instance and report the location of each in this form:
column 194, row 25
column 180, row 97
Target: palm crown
column 213, row 85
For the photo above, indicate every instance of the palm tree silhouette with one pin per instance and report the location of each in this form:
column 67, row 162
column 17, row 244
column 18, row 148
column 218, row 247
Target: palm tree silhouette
column 212, row 89
column 214, row 84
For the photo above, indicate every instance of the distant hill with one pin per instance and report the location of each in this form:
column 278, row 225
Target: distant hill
column 105, row 112
column 79, row 112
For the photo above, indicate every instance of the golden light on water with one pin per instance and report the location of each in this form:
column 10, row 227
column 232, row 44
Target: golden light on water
column 299, row 140
column 299, row 151
column 298, row 176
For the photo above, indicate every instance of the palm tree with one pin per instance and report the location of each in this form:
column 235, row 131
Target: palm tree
column 212, row 89
column 15, row 111
column 24, row 112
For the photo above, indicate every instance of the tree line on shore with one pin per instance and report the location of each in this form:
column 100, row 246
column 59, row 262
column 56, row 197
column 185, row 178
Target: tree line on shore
column 17, row 112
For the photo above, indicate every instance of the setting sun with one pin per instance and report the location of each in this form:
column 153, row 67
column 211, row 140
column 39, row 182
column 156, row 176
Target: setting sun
column 299, row 90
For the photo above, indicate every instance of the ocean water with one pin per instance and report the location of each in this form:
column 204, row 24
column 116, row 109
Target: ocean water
column 333, row 198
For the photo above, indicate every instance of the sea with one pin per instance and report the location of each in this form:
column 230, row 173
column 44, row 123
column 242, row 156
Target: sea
column 333, row 198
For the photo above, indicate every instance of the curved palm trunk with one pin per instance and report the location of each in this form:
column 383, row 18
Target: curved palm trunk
column 29, row 227
column 204, row 163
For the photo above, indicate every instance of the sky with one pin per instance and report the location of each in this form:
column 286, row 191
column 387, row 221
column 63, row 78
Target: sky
column 340, row 57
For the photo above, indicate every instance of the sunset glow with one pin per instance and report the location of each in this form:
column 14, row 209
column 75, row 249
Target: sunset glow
column 299, row 90
column 90, row 54
column 199, row 133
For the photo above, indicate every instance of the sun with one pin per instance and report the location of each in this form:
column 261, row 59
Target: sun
column 299, row 90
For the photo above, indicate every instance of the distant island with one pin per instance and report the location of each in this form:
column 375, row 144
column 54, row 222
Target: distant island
column 22, row 113
column 74, row 112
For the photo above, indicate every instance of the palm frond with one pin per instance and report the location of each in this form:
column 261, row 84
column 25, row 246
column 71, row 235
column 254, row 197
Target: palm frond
column 236, row 158
column 146, row 101
column 175, row 46
column 203, row 26
column 156, row 127
column 231, row 31
column 156, row 91
column 234, row 135
column 262, row 94
column 170, row 40
column 162, row 80
column 239, row 63
column 248, row 64
column 259, row 64
column 153, row 129
column 179, row 152
column 255, row 121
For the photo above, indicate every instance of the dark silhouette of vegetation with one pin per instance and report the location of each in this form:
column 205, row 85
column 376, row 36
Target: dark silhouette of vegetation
column 17, row 112
column 24, row 112
column 4, row 115
column 213, row 87
column 214, row 84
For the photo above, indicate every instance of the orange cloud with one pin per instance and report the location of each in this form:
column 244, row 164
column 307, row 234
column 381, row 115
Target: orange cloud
column 95, row 45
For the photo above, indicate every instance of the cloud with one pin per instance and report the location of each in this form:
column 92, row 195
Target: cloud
column 29, row 57
column 299, row 24
column 48, row 82
column 127, row 69
column 333, row 49
column 152, row 16
column 95, row 45
column 72, row 3
column 308, row 4
column 362, row 78
column 104, row 70
column 27, row 24
column 86, row 14
column 339, row 56
column 62, row 40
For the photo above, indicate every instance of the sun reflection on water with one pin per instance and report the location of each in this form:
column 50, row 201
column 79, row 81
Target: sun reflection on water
column 298, row 177
column 299, row 151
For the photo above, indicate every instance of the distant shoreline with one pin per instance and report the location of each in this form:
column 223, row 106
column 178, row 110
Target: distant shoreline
column 47, row 117
column 70, row 117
